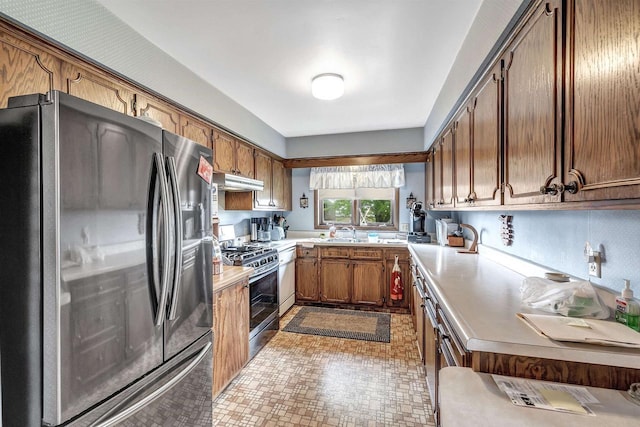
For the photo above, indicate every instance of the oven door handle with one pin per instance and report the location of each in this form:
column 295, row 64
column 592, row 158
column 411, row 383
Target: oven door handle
column 264, row 274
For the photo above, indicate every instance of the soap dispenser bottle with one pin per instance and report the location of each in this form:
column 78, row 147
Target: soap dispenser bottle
column 628, row 308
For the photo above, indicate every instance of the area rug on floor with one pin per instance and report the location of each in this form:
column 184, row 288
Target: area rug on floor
column 339, row 323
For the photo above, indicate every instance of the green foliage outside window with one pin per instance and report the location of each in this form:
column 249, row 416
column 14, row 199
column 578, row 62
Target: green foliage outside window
column 376, row 211
column 337, row 211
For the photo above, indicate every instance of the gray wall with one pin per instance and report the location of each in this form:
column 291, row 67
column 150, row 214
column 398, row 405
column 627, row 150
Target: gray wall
column 302, row 219
column 90, row 29
column 556, row 239
column 491, row 20
column 373, row 142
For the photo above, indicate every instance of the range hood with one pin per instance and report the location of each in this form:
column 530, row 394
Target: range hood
column 228, row 182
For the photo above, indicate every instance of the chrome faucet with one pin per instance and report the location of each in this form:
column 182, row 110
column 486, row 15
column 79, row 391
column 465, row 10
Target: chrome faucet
column 352, row 229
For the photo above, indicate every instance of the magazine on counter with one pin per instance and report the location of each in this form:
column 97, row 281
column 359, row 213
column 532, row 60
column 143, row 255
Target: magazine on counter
column 546, row 395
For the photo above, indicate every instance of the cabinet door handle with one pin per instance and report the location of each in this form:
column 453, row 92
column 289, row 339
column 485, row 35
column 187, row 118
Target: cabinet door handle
column 553, row 189
column 571, row 187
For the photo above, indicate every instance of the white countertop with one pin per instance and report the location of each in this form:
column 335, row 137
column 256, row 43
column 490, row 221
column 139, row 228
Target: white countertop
column 470, row 398
column 481, row 297
column 382, row 243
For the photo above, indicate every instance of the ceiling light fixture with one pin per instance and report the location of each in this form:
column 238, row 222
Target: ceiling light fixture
column 327, row 86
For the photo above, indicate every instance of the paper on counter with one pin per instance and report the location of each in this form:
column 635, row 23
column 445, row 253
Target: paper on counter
column 589, row 331
column 563, row 401
column 546, row 395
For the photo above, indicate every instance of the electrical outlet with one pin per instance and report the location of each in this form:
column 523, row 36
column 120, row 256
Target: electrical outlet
column 594, row 265
column 404, row 226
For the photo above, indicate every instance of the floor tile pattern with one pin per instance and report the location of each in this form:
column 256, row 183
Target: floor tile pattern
column 308, row 380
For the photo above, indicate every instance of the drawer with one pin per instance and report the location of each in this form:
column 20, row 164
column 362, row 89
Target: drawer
column 334, row 252
column 366, row 253
column 450, row 341
column 302, row 252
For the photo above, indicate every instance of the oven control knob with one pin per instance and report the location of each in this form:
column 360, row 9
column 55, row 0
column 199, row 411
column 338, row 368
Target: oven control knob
column 263, row 261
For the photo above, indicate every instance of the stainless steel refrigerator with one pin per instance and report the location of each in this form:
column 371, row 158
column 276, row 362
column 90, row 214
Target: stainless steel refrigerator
column 105, row 269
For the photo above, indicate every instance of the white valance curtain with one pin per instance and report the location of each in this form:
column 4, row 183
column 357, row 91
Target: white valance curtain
column 365, row 176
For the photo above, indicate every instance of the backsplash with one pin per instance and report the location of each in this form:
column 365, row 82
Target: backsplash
column 556, row 239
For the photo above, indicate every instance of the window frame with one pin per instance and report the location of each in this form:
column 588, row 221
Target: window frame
column 355, row 218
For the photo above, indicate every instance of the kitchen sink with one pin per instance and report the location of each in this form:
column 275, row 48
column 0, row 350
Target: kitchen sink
column 345, row 240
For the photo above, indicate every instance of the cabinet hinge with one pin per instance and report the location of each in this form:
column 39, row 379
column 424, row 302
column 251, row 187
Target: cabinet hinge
column 134, row 107
column 502, row 187
column 384, row 299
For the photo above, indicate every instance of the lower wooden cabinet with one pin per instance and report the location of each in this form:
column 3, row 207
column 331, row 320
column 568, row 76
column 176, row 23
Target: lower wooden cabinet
column 353, row 275
column 403, row 262
column 230, row 333
column 307, row 288
column 335, row 281
column 368, row 283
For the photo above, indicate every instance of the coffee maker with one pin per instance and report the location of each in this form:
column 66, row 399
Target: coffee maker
column 260, row 229
column 417, row 231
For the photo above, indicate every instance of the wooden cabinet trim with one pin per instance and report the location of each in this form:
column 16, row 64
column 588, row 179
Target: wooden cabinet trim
column 334, row 252
column 366, row 253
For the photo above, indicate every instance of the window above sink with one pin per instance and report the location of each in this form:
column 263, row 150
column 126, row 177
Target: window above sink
column 363, row 208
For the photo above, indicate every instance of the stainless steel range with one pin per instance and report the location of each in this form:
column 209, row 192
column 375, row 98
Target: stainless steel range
column 263, row 291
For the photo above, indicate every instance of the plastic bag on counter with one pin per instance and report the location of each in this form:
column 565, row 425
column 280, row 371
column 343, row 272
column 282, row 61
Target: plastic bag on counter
column 572, row 299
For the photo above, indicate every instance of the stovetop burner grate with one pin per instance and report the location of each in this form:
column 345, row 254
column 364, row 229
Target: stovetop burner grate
column 259, row 257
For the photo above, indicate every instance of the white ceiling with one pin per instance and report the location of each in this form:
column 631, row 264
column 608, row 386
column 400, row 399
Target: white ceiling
column 394, row 55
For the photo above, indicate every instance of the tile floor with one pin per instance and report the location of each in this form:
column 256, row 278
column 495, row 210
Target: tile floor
column 308, row 380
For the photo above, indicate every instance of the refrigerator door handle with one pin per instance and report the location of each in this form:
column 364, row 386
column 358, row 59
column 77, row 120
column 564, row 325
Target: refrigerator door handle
column 125, row 413
column 166, row 248
column 177, row 277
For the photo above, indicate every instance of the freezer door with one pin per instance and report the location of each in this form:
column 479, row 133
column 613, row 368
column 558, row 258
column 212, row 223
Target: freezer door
column 176, row 394
column 99, row 287
column 189, row 312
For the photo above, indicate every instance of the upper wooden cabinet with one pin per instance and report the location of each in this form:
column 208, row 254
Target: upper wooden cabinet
column 485, row 136
column 463, row 157
column 437, row 174
column 532, row 108
column 88, row 86
column 232, row 155
column 195, row 130
column 276, row 194
column 443, row 169
column 168, row 116
column 264, row 173
column 602, row 134
column 429, row 196
column 278, row 182
column 24, row 69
